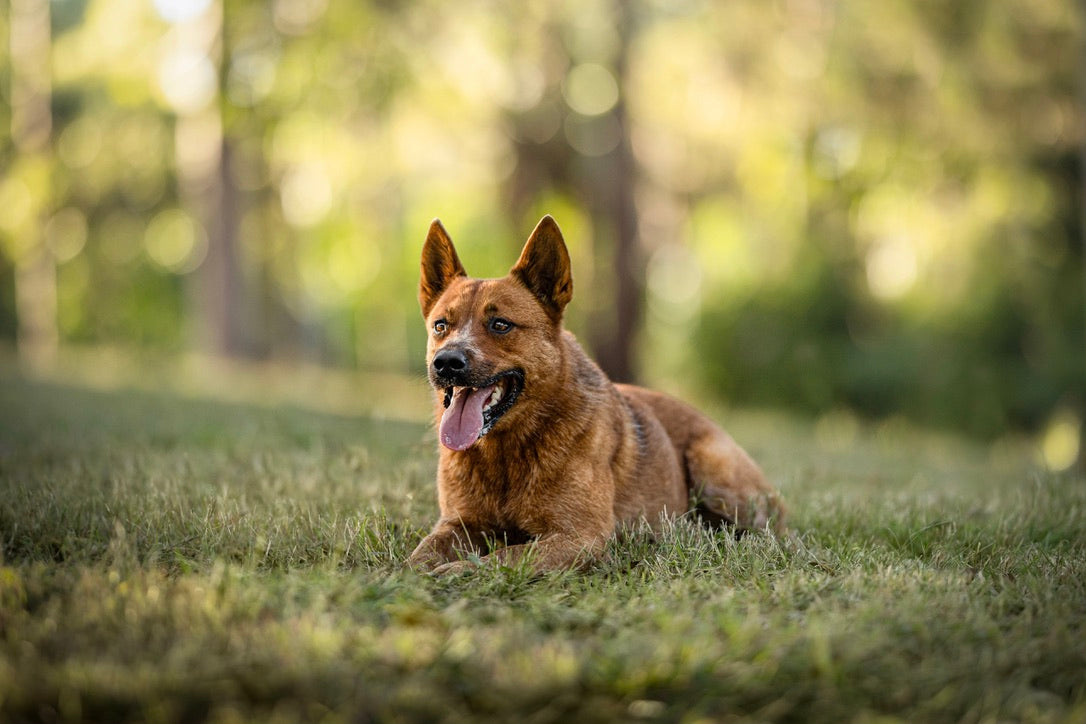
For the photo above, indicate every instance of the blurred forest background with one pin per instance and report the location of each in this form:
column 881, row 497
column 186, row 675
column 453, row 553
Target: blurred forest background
column 839, row 207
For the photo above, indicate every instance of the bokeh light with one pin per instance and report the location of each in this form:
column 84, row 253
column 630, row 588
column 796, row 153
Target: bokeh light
column 590, row 89
column 306, row 194
column 175, row 241
column 187, row 80
column 180, row 11
column 891, row 267
column 1061, row 439
column 66, row 233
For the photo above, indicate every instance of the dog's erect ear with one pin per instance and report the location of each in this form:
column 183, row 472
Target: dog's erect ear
column 544, row 267
column 440, row 265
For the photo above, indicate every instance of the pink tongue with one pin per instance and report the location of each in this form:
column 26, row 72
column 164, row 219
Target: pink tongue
column 463, row 419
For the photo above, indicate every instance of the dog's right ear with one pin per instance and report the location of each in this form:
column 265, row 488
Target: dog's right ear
column 440, row 266
column 544, row 267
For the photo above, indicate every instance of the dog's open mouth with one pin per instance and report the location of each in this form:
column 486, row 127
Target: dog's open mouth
column 470, row 412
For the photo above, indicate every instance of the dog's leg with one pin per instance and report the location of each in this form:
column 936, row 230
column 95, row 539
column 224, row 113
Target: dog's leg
column 450, row 540
column 729, row 487
column 556, row 551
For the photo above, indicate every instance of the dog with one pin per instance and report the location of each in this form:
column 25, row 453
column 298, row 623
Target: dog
column 542, row 457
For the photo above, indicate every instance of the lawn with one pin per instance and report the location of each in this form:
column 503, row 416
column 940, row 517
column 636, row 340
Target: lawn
column 170, row 558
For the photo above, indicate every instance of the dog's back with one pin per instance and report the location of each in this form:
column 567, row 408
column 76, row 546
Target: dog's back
column 721, row 479
column 665, row 455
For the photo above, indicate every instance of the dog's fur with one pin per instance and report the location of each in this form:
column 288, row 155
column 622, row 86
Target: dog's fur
column 571, row 456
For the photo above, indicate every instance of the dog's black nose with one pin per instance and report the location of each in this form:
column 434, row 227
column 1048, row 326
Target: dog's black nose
column 450, row 362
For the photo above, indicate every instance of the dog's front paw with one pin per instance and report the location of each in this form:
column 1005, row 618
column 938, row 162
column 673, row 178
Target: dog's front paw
column 453, row 568
column 425, row 561
column 421, row 566
column 431, row 552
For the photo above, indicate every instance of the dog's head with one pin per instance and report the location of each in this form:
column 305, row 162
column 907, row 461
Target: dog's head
column 492, row 341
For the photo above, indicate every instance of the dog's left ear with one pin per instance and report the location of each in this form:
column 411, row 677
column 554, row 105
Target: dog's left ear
column 544, row 267
column 440, row 265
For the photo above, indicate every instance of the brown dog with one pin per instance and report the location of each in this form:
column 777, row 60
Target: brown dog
column 541, row 454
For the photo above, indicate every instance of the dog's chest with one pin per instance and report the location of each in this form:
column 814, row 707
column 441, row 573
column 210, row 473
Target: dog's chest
column 497, row 496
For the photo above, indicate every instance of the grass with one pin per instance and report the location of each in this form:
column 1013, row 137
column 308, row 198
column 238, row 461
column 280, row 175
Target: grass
column 166, row 558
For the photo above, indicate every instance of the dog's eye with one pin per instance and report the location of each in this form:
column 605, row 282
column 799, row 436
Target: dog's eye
column 440, row 326
column 500, row 326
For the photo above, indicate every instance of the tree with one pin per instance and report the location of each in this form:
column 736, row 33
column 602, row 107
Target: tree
column 31, row 124
column 576, row 141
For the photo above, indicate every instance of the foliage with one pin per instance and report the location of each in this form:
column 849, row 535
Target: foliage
column 168, row 558
column 930, row 209
column 840, row 204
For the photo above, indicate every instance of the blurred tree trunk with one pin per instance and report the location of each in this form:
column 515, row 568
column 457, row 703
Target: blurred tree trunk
column 1081, row 116
column 217, row 297
column 610, row 193
column 220, row 286
column 604, row 183
column 31, row 128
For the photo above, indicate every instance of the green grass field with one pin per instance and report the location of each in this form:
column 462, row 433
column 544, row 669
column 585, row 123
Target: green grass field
column 166, row 558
